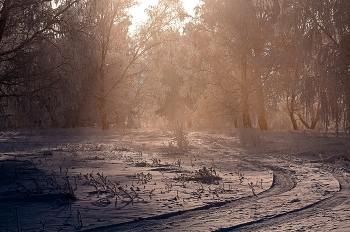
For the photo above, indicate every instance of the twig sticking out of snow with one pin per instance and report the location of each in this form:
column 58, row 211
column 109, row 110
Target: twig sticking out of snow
column 251, row 186
column 15, row 213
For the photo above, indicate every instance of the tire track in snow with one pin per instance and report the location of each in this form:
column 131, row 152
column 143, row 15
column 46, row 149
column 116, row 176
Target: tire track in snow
column 194, row 219
column 308, row 211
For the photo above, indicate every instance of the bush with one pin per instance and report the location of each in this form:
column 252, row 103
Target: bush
column 180, row 137
column 203, row 175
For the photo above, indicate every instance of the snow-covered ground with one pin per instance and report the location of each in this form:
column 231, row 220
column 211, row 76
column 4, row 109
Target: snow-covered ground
column 91, row 180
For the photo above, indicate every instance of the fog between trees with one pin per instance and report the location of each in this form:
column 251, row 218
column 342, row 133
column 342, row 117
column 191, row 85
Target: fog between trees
column 245, row 63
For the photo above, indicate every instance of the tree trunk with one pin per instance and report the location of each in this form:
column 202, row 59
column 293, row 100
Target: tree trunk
column 291, row 109
column 294, row 121
column 304, row 122
column 261, row 103
column 262, row 122
column 102, row 98
column 245, row 105
column 103, row 116
column 246, row 119
column 4, row 15
column 235, row 122
column 314, row 121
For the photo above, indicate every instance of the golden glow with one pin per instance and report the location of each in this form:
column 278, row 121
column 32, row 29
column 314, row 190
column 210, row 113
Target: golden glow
column 139, row 15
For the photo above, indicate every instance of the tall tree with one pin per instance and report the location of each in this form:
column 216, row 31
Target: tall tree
column 244, row 34
column 165, row 15
column 108, row 15
column 314, row 59
column 27, row 30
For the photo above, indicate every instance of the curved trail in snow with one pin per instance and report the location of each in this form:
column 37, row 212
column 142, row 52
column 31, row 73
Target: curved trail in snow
column 234, row 215
column 194, row 219
column 197, row 217
column 308, row 211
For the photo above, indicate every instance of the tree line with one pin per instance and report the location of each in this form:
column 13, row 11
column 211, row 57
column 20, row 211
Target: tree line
column 245, row 63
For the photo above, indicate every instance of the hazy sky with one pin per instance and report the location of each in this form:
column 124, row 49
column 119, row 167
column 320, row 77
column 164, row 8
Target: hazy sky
column 139, row 14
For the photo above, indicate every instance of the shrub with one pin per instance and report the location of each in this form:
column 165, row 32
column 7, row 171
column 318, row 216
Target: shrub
column 203, row 175
column 180, row 137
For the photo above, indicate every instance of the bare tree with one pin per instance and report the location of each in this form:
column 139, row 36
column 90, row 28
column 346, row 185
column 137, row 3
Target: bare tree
column 27, row 30
column 148, row 36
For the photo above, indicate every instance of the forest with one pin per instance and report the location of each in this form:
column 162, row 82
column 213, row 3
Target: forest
column 232, row 117
column 271, row 64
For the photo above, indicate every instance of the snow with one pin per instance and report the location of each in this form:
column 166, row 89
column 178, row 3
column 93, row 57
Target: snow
column 136, row 179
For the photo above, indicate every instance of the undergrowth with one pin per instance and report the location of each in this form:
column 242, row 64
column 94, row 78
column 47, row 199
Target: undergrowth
column 203, row 175
column 180, row 137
